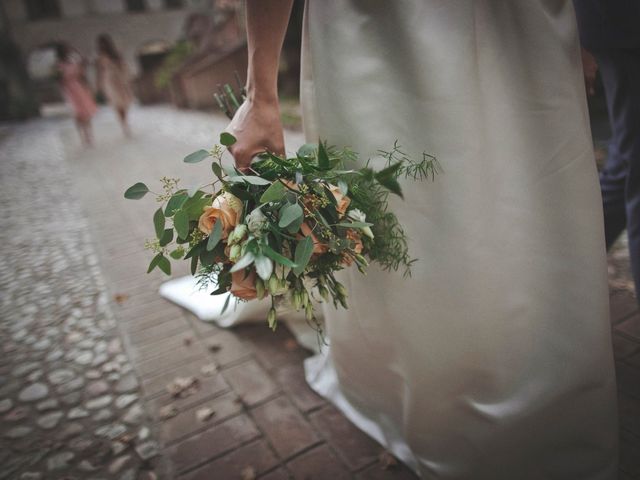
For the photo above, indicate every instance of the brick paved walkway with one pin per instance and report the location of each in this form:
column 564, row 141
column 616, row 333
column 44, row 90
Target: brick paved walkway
column 250, row 414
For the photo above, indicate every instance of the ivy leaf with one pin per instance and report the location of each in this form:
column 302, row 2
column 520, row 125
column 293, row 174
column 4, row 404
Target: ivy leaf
column 166, row 237
column 289, row 214
column 175, row 203
column 181, row 223
column 276, row 257
column 303, row 253
column 323, row 158
column 196, row 156
column 136, row 192
column 227, row 139
column 215, row 236
column 158, row 223
column 275, row 192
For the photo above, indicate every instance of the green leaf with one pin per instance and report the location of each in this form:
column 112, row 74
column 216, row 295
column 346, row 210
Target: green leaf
column 158, row 223
column 165, row 265
column 251, row 179
column 264, row 267
column 276, row 257
column 136, row 192
column 303, row 253
column 289, row 214
column 177, row 253
column 227, row 139
column 391, row 184
column 275, row 192
column 354, row 224
column 181, row 223
column 323, row 158
column 175, row 203
column 389, row 172
column 217, row 170
column 307, row 150
column 196, row 156
column 154, row 262
column 215, row 236
column 167, row 236
column 294, row 227
column 344, row 188
column 246, row 260
column 226, row 304
column 194, row 264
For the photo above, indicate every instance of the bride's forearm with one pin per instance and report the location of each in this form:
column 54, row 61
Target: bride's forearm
column 266, row 26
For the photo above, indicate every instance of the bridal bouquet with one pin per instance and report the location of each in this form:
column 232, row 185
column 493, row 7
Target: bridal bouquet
column 286, row 227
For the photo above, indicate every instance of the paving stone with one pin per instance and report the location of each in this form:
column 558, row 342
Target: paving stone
column 292, row 380
column 59, row 460
column 5, row 405
column 73, row 384
column 212, row 442
column 111, row 431
column 287, row 430
column 49, row 420
column 33, row 392
column 70, row 430
column 126, row 384
column 103, row 415
column 71, row 399
column 119, row 463
column 99, row 387
column 147, row 450
column 76, row 413
column 134, row 416
column 18, row 432
column 124, row 401
column 256, row 455
column 318, row 464
column 25, row 368
column 250, row 381
column 100, row 402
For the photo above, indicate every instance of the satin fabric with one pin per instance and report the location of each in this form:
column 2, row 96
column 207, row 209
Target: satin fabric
column 493, row 361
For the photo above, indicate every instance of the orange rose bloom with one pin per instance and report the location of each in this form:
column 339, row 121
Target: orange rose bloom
column 357, row 248
column 318, row 246
column 226, row 208
column 342, row 200
column 244, row 285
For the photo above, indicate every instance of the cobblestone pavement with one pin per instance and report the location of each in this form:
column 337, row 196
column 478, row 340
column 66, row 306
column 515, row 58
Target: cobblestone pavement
column 69, row 398
column 222, row 404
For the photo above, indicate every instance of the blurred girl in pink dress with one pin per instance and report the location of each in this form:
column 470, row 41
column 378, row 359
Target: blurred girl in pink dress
column 76, row 90
column 113, row 79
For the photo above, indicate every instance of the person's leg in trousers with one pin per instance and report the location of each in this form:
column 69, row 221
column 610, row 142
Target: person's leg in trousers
column 620, row 178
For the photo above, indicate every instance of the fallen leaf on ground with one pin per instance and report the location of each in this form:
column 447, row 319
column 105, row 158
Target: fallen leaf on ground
column 181, row 387
column 248, row 473
column 208, row 370
column 214, row 347
column 205, row 413
column 387, row 461
column 187, row 341
column 120, row 298
column 168, row 411
column 290, row 345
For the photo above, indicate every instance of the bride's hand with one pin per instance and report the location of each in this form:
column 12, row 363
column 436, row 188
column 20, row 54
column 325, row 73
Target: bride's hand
column 257, row 128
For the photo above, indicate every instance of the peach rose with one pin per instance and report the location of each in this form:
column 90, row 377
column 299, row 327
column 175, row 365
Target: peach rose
column 342, row 200
column 227, row 208
column 318, row 246
column 244, row 285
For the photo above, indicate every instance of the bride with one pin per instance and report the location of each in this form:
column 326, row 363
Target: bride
column 493, row 361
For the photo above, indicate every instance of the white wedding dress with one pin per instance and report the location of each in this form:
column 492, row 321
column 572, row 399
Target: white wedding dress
column 494, row 360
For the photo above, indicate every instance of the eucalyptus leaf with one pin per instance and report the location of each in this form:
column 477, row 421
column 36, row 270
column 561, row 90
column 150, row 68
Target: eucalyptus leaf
column 217, row 170
column 136, row 192
column 177, row 254
column 264, row 267
column 196, row 156
column 303, row 253
column 251, row 179
column 154, row 262
column 354, row 224
column 214, row 236
column 158, row 223
column 289, row 214
column 323, row 157
column 344, row 188
column 246, row 260
column 194, row 264
column 276, row 257
column 165, row 265
column 167, row 237
column 175, row 203
column 274, row 193
column 227, row 139
column 181, row 223
column 308, row 150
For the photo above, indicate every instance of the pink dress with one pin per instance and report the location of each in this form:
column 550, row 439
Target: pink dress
column 76, row 91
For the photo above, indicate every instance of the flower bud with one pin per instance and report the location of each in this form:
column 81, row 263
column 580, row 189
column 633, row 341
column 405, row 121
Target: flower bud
column 295, row 297
column 273, row 284
column 308, row 311
column 342, row 292
column 324, row 292
column 271, row 318
column 260, row 289
column 235, row 252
